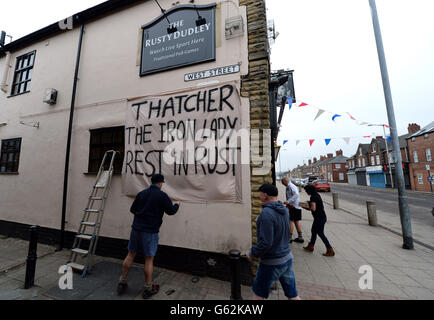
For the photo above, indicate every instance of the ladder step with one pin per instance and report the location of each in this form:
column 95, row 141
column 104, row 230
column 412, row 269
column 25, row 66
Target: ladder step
column 80, row 251
column 92, row 210
column 84, row 236
column 96, row 198
column 76, row 266
column 90, row 224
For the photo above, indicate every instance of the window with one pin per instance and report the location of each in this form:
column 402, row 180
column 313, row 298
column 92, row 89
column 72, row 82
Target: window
column 364, row 162
column 374, row 148
column 420, row 178
column 102, row 140
column 360, row 164
column 372, row 161
column 416, row 160
column 23, row 73
column 341, row 176
column 378, row 159
column 428, row 155
column 10, row 155
column 337, row 166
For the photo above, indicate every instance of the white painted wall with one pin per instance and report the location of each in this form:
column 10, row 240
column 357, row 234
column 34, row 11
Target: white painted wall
column 109, row 73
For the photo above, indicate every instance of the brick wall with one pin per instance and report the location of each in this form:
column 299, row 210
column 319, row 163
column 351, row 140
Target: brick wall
column 255, row 87
column 335, row 171
column 420, row 144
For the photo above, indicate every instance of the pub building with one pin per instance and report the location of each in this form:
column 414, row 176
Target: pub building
column 115, row 77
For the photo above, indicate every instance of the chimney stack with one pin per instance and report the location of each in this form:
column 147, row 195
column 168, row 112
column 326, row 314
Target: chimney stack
column 339, row 153
column 310, row 162
column 413, row 128
column 330, row 155
column 315, row 160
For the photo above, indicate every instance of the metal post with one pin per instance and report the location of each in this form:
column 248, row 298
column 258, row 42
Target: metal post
column 372, row 213
column 403, row 203
column 335, row 201
column 430, row 181
column 31, row 258
column 388, row 158
column 234, row 256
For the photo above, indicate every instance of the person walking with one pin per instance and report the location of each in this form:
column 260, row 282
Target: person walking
column 272, row 247
column 316, row 206
column 292, row 201
column 148, row 208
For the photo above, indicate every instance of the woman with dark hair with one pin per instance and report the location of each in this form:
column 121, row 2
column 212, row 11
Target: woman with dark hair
column 316, row 206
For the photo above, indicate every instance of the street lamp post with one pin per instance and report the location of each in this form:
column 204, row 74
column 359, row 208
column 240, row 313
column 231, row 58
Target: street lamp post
column 403, row 203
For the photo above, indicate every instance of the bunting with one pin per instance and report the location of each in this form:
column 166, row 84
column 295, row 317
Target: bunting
column 351, row 117
column 336, row 116
column 320, row 112
column 290, row 102
column 327, row 141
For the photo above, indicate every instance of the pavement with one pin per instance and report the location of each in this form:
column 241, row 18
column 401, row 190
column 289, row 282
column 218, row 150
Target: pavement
column 397, row 273
column 352, row 198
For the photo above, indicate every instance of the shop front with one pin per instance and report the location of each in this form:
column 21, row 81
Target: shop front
column 376, row 177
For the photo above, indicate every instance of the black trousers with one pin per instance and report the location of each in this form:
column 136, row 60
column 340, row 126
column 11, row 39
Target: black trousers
column 318, row 229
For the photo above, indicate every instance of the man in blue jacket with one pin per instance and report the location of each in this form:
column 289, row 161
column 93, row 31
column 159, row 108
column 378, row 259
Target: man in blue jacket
column 272, row 227
column 148, row 209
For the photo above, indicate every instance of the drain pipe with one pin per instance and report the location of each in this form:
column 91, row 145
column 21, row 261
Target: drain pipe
column 68, row 143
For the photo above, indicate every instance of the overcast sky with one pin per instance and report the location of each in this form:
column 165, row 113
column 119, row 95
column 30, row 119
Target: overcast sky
column 331, row 46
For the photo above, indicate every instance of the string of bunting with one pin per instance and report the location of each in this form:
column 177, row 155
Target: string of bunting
column 334, row 116
column 328, row 140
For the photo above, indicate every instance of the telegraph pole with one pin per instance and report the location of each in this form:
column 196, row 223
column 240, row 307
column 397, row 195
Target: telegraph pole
column 404, row 212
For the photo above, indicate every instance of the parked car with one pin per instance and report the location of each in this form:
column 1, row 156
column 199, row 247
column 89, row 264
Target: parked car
column 321, row 185
column 311, row 179
column 304, row 182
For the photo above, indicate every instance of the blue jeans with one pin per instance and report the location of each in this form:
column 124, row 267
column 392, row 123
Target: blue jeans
column 267, row 275
column 143, row 242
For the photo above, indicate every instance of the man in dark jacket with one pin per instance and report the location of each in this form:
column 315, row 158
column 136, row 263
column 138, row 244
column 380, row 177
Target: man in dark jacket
column 148, row 209
column 272, row 227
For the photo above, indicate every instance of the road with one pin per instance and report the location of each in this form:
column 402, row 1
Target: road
column 420, row 204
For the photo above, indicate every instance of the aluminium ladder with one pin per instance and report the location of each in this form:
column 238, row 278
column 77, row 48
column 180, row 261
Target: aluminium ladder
column 86, row 240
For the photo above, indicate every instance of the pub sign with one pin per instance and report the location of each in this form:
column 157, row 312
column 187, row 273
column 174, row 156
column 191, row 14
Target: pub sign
column 183, row 36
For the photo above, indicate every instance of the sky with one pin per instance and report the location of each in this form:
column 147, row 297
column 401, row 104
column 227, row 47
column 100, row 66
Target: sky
column 331, row 46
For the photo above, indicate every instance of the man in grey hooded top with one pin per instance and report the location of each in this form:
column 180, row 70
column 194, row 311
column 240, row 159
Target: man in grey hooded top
column 272, row 247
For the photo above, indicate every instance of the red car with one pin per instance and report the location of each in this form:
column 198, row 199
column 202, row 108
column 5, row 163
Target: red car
column 321, row 185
